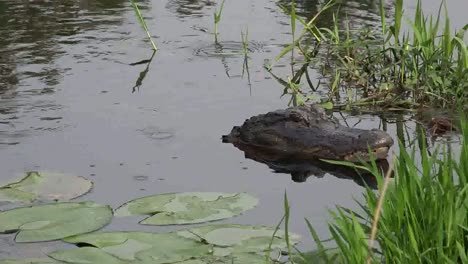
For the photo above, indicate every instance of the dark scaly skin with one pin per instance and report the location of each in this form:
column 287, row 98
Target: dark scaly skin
column 307, row 131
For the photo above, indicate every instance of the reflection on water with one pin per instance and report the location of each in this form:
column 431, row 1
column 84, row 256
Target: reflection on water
column 185, row 8
column 301, row 169
column 35, row 36
column 228, row 49
column 33, row 33
column 360, row 13
column 142, row 75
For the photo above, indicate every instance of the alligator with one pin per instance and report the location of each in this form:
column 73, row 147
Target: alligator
column 308, row 132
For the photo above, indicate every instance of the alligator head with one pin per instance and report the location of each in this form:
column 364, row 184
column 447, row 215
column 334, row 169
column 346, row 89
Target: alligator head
column 307, row 131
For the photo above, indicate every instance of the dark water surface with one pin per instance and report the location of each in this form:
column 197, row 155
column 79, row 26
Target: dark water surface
column 71, row 102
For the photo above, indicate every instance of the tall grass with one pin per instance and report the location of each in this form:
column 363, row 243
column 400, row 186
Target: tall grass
column 389, row 67
column 425, row 65
column 423, row 214
column 307, row 42
column 143, row 24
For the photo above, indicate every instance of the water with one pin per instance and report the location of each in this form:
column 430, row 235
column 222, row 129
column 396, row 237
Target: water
column 71, row 101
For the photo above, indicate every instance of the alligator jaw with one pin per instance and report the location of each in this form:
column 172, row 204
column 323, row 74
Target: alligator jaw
column 377, row 154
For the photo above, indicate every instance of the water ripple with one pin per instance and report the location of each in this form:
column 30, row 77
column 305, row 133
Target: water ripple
column 228, row 49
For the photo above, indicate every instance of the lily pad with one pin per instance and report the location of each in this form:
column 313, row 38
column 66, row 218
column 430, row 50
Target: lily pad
column 54, row 221
column 187, row 208
column 45, row 186
column 333, row 257
column 232, row 238
column 85, row 255
column 142, row 247
column 218, row 244
column 240, row 258
column 30, row 261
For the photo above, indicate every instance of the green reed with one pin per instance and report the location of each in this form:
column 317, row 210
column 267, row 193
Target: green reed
column 391, row 68
column 423, row 213
column 425, row 65
column 307, row 43
column 143, row 23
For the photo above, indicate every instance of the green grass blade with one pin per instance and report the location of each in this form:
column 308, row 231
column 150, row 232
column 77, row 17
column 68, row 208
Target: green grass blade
column 143, row 23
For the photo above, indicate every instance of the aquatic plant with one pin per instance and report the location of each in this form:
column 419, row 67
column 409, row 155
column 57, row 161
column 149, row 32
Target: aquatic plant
column 423, row 213
column 307, row 43
column 143, row 24
column 217, row 18
column 44, row 186
column 426, row 65
column 245, row 50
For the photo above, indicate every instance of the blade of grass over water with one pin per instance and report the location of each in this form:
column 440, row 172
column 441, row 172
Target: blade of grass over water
column 143, row 24
column 377, row 215
column 418, row 216
column 217, row 18
column 286, row 225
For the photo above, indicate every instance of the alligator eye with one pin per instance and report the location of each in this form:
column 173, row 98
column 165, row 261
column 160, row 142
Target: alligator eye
column 359, row 136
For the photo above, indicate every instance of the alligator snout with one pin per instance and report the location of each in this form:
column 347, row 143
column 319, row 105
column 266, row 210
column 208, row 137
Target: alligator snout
column 377, row 138
column 376, row 141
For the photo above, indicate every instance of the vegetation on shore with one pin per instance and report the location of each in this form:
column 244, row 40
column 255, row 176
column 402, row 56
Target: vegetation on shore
column 421, row 217
column 387, row 67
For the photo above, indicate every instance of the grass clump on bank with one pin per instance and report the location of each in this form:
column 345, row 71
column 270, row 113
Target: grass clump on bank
column 423, row 214
column 427, row 65
column 143, row 24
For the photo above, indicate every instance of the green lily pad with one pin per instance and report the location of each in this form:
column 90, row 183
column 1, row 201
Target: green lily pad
column 232, row 238
column 143, row 247
column 218, row 244
column 240, row 258
column 54, row 221
column 30, row 261
column 45, row 186
column 187, row 208
column 85, row 255
column 333, row 256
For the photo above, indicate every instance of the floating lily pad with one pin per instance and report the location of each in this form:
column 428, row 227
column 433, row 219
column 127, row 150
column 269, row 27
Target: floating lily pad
column 30, row 261
column 187, row 208
column 232, row 238
column 85, row 255
column 45, row 186
column 54, row 221
column 219, row 244
column 141, row 246
column 333, row 257
column 240, row 258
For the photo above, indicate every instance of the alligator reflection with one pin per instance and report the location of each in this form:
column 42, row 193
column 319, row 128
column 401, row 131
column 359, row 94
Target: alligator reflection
column 301, row 169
